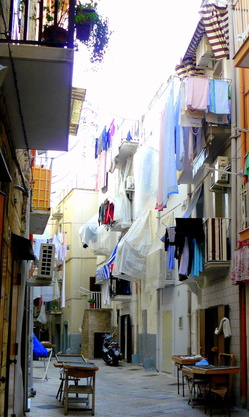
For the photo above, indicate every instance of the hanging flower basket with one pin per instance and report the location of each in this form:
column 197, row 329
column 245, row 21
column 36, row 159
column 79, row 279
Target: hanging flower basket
column 83, row 32
column 84, row 23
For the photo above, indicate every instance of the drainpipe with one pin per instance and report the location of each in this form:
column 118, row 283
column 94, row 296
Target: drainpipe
column 235, row 198
column 243, row 347
column 189, row 322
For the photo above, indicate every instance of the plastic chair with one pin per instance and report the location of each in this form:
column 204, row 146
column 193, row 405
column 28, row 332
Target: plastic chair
column 220, row 388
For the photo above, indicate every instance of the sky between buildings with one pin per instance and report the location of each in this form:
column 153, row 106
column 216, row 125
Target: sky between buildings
column 148, row 40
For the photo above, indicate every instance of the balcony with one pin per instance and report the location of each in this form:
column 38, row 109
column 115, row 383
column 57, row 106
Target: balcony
column 40, row 200
column 217, row 253
column 241, row 33
column 38, row 84
column 120, row 289
column 216, row 140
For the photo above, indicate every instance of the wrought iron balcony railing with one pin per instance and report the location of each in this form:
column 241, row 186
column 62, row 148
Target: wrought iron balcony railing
column 25, row 24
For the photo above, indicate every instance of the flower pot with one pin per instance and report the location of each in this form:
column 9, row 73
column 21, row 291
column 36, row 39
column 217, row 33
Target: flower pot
column 91, row 305
column 84, row 25
column 55, row 35
column 83, row 32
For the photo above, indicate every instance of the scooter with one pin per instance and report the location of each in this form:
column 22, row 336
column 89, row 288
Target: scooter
column 111, row 350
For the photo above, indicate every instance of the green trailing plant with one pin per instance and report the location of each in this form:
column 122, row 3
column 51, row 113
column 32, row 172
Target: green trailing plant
column 98, row 41
column 84, row 14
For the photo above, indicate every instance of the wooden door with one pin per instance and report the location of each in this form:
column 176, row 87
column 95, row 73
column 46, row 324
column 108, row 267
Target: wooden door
column 210, row 343
column 166, row 341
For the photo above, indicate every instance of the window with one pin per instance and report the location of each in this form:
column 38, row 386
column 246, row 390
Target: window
column 245, row 206
column 120, row 287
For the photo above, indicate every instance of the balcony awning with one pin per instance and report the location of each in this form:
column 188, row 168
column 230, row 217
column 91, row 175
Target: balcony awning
column 214, row 23
column 22, row 248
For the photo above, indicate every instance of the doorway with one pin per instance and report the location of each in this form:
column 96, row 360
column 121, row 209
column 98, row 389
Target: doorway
column 65, row 337
column 167, row 341
column 210, row 343
column 125, row 337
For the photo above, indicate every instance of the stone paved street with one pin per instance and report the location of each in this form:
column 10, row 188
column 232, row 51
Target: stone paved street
column 123, row 391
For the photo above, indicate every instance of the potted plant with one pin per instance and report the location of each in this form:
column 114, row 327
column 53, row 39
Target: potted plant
column 91, row 301
column 54, row 30
column 92, row 29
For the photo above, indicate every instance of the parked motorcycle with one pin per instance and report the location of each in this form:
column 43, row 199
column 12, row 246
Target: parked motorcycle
column 111, row 350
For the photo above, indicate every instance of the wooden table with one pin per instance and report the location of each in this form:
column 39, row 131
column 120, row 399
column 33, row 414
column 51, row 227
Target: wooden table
column 181, row 360
column 67, row 358
column 208, row 372
column 79, row 370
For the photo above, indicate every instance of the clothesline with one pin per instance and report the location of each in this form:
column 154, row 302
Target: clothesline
column 209, row 77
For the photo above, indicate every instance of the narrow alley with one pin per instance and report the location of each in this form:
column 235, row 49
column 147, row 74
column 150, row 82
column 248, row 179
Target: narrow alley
column 122, row 391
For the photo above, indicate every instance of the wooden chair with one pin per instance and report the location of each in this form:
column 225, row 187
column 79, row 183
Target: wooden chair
column 81, row 390
column 221, row 385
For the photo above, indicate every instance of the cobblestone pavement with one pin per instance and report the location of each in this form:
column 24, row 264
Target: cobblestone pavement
column 121, row 391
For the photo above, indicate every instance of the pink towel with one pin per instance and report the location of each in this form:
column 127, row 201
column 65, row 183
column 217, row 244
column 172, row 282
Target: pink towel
column 197, row 93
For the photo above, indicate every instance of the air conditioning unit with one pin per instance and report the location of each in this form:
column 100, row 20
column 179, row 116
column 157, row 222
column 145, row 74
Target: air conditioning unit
column 204, row 54
column 220, row 176
column 43, row 274
column 46, row 261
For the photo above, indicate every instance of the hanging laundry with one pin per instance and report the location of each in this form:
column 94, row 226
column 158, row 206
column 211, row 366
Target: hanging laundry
column 96, row 154
column 169, row 245
column 184, row 261
column 218, row 97
column 246, row 168
column 185, row 227
column 178, row 134
column 129, row 137
column 218, row 119
column 224, row 327
column 109, row 213
column 167, row 179
column 197, row 93
column 104, row 139
column 197, row 264
column 240, row 263
column 189, row 240
column 101, row 179
column 188, row 118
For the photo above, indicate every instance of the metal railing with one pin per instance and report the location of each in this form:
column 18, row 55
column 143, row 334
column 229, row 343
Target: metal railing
column 26, row 23
column 96, row 295
column 240, row 15
column 217, row 239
